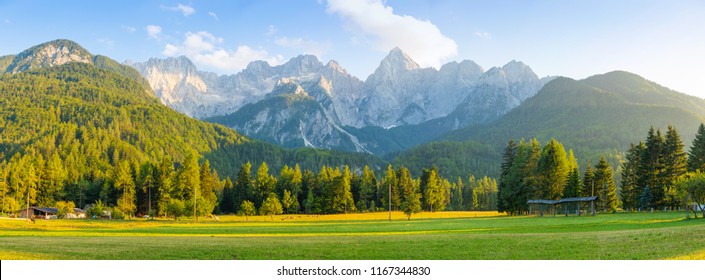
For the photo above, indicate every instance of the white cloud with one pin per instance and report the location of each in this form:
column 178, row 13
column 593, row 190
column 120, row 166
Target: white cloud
column 205, row 50
column 483, row 35
column 306, row 46
column 186, row 10
column 271, row 30
column 128, row 28
column 214, row 15
column 154, row 31
column 421, row 39
column 7, row 21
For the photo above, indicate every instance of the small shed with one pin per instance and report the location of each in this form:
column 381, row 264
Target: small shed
column 38, row 212
column 547, row 204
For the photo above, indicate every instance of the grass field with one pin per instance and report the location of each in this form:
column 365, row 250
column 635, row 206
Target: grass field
column 443, row 235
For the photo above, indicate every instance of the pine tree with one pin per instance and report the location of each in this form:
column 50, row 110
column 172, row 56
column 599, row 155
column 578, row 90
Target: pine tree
column 552, row 171
column 456, row 197
column 696, row 155
column 508, row 158
column 675, row 162
column 368, row 187
column 244, row 188
column 573, row 183
column 433, row 192
column 264, row 184
column 389, row 183
column 126, row 186
column 227, row 200
column 190, row 183
column 164, row 185
column 588, row 182
column 652, row 165
column 630, row 176
column 605, row 188
column 209, row 184
column 410, row 196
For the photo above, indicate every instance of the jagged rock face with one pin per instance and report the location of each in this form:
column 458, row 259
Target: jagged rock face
column 49, row 54
column 294, row 117
column 178, row 83
column 398, row 93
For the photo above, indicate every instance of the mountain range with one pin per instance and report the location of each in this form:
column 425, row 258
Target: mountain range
column 304, row 103
column 58, row 90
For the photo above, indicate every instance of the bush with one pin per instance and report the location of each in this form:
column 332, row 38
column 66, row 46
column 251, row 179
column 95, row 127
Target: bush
column 64, row 208
column 117, row 214
column 175, row 208
column 96, row 211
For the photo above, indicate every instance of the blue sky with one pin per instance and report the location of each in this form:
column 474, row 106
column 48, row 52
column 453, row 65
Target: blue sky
column 663, row 41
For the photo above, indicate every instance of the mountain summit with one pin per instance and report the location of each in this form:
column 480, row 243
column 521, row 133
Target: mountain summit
column 49, row 54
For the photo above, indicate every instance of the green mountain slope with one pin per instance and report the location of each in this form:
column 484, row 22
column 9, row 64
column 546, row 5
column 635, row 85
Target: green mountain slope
column 80, row 121
column 599, row 115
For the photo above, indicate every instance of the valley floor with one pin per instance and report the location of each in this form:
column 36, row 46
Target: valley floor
column 443, row 235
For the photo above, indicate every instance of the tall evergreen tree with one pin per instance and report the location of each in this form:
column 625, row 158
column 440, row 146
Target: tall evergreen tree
column 264, row 184
column 190, row 182
column 164, row 185
column 508, row 158
column 572, row 184
column 552, row 171
column 605, row 188
column 588, row 182
column 652, row 165
column 696, row 154
column 368, row 187
column 125, row 185
column 675, row 166
column 433, row 191
column 630, row 176
column 389, row 183
column 244, row 188
column 410, row 195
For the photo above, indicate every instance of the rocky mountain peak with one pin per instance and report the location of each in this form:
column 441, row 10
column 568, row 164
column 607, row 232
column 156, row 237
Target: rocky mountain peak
column 302, row 65
column 398, row 60
column 518, row 71
column 49, row 54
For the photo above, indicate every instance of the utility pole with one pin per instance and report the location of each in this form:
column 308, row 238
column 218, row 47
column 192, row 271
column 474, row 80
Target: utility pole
column 29, row 217
column 149, row 198
column 195, row 218
column 390, row 202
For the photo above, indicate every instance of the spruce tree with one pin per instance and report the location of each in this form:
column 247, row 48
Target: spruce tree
column 588, row 182
column 630, row 176
column 674, row 162
column 409, row 193
column 508, row 158
column 573, row 184
column 244, row 188
column 552, row 171
column 652, row 165
column 605, row 188
column 696, row 155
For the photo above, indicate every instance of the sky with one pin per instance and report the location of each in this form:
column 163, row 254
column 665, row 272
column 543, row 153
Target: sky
column 663, row 41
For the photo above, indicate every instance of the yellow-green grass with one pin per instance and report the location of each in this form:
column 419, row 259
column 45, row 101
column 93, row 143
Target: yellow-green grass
column 443, row 235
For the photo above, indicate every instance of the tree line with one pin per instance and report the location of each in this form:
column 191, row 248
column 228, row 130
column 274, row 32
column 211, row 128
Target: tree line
column 172, row 189
column 651, row 174
column 658, row 173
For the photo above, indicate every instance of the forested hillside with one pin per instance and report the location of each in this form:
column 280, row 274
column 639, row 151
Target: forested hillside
column 597, row 116
column 88, row 131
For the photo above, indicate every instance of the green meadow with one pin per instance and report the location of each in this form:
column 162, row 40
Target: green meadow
column 662, row 235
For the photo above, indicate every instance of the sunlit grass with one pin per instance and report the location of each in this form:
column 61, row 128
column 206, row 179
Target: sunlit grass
column 441, row 235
